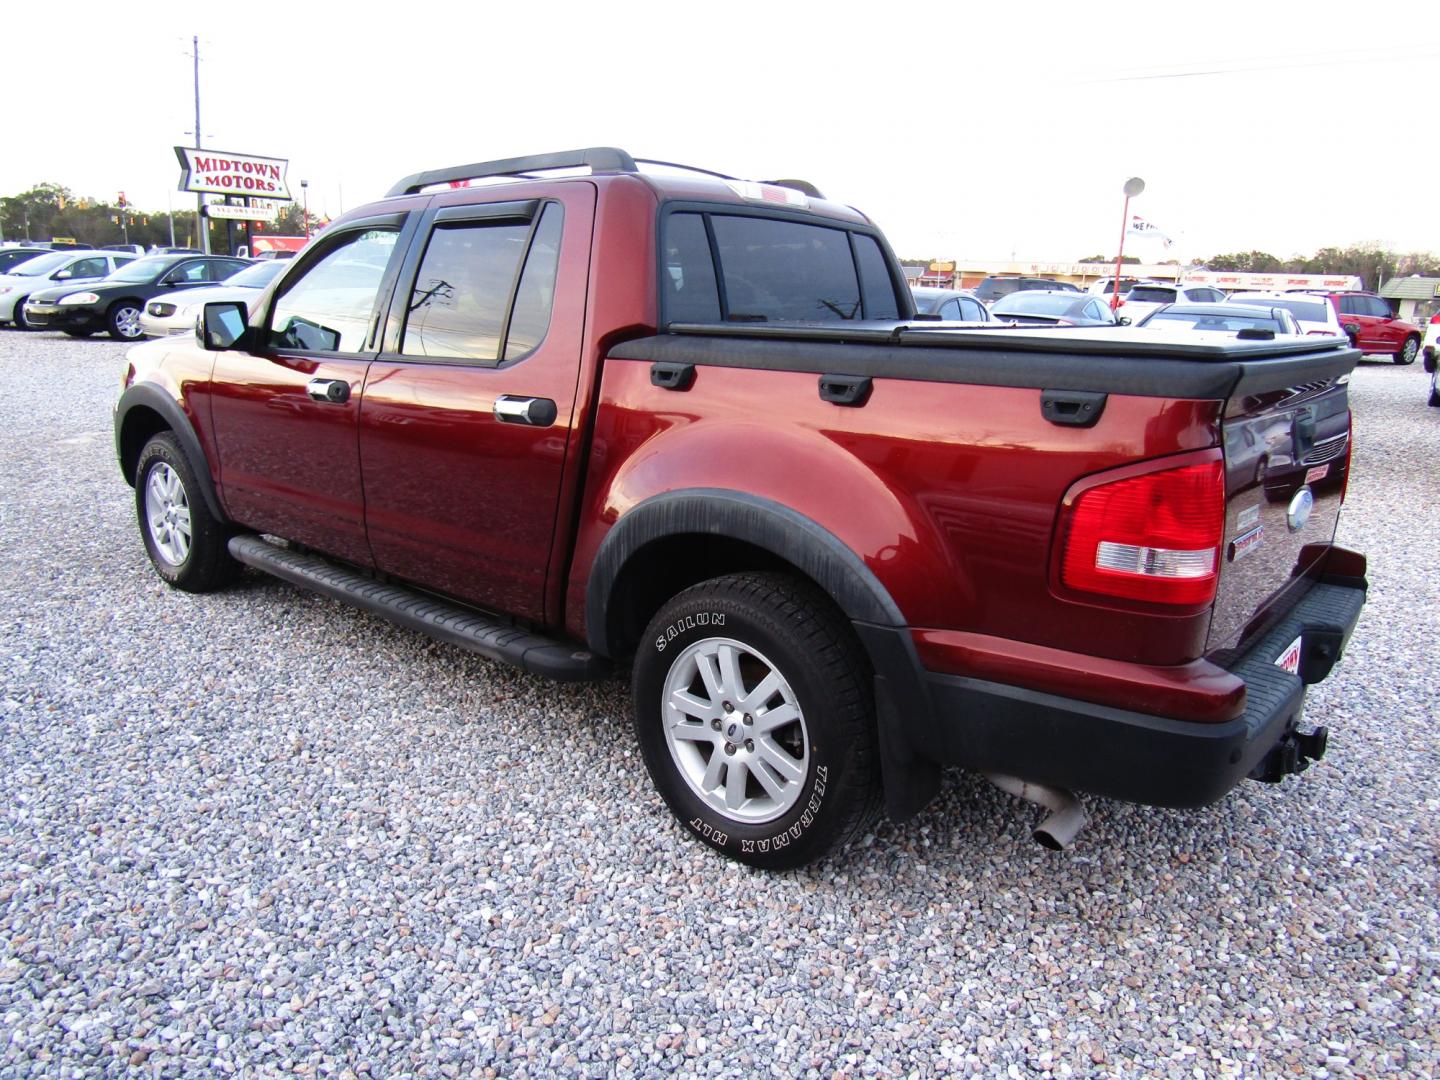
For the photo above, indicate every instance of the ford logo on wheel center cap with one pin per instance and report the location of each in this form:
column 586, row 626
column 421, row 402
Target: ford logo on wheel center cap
column 1299, row 510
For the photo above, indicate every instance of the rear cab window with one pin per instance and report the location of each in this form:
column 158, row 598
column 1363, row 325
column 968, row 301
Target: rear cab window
column 1151, row 294
column 723, row 266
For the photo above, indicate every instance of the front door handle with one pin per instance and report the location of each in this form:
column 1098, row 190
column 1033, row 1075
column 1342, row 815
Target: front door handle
column 537, row 412
column 330, row 391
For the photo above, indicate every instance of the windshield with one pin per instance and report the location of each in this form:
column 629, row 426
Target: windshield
column 1037, row 302
column 257, row 276
column 1239, row 320
column 1304, row 310
column 1150, row 294
column 143, row 269
column 41, row 264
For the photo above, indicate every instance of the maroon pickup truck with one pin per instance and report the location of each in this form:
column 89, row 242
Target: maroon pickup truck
column 585, row 417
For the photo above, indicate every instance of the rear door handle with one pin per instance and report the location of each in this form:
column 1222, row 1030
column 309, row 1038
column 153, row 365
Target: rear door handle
column 537, row 412
column 330, row 391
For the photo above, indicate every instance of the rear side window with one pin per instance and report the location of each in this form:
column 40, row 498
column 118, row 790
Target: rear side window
column 875, row 283
column 691, row 294
column 771, row 270
column 467, row 280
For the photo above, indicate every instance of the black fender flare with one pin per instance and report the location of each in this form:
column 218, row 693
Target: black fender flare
column 902, row 699
column 145, row 395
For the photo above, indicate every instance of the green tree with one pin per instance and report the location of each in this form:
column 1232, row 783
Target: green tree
column 1126, row 261
column 1257, row 262
column 28, row 216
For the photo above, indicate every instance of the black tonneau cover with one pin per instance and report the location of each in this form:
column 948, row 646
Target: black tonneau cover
column 1117, row 361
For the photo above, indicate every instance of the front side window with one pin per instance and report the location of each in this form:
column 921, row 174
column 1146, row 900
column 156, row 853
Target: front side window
column 1377, row 307
column 88, row 268
column 330, row 306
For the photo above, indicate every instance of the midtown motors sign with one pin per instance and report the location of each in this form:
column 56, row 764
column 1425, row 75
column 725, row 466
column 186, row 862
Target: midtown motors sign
column 232, row 174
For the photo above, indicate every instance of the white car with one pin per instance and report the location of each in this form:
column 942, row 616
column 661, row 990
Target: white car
column 49, row 269
column 176, row 314
column 1315, row 314
column 1146, row 296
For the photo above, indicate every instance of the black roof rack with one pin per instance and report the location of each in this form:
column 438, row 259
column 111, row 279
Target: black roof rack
column 597, row 158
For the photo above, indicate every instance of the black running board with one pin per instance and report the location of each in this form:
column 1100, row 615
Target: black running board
column 487, row 635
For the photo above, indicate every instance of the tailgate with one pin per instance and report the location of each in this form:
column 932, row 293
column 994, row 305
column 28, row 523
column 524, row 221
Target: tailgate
column 1287, row 456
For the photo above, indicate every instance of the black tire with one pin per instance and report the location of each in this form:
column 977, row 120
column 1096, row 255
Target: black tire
column 123, row 321
column 1434, row 390
column 776, row 625
column 201, row 563
column 1408, row 351
column 17, row 318
column 79, row 333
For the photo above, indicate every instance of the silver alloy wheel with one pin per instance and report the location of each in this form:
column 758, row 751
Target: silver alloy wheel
column 127, row 322
column 735, row 730
column 1408, row 351
column 167, row 510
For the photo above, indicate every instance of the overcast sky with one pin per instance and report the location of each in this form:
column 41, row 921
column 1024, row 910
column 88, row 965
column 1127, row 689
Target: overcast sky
column 964, row 133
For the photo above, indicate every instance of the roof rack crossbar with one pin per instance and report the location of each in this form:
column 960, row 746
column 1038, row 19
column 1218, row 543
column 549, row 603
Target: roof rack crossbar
column 598, row 158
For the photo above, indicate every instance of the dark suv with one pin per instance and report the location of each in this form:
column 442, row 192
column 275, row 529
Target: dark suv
column 993, row 288
column 1374, row 328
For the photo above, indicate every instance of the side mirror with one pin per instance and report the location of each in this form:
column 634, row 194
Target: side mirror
column 61, row 275
column 1123, row 320
column 222, row 325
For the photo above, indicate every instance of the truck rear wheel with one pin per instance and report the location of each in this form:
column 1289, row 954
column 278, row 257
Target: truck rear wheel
column 755, row 715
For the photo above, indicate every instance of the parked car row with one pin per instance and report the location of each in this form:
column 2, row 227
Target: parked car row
column 1363, row 317
column 88, row 291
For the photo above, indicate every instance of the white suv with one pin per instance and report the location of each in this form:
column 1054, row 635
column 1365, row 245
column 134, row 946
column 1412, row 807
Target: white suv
column 1145, row 296
column 1315, row 314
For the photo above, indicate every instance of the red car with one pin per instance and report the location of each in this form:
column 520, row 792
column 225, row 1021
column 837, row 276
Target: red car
column 1374, row 328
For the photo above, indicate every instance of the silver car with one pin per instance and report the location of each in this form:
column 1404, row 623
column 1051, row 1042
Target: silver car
column 49, row 269
column 167, row 315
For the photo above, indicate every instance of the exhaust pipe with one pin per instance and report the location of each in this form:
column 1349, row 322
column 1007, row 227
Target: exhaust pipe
column 1066, row 818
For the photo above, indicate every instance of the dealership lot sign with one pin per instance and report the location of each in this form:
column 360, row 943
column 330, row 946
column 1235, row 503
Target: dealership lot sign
column 232, row 174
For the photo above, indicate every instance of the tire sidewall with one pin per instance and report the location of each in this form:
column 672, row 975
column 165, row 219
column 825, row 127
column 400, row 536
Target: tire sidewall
column 812, row 821
column 113, row 320
column 164, row 450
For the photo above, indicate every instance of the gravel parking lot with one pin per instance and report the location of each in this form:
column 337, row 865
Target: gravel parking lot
column 259, row 832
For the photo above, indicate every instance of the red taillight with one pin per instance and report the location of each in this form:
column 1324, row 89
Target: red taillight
column 1435, row 318
column 1154, row 537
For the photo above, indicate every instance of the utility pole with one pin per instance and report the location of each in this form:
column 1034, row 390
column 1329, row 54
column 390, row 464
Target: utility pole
column 201, row 225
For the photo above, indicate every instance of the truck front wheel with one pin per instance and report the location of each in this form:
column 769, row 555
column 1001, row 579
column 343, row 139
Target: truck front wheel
column 186, row 543
column 755, row 715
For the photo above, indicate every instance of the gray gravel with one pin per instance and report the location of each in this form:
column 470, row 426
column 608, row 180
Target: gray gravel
column 257, row 833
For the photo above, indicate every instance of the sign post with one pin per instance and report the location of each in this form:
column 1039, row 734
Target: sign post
column 221, row 172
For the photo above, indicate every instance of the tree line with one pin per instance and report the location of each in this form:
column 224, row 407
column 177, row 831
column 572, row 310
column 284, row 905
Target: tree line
column 1372, row 263
column 50, row 212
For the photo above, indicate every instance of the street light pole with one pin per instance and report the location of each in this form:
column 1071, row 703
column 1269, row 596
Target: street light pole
column 1134, row 186
column 305, row 194
column 202, row 227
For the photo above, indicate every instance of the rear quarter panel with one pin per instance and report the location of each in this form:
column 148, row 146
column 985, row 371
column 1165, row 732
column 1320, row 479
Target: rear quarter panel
column 949, row 492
